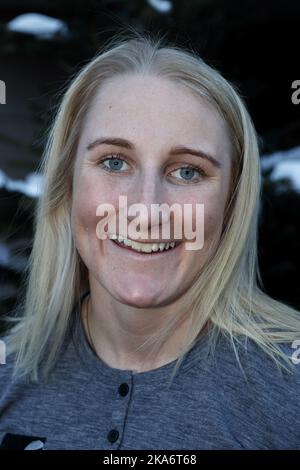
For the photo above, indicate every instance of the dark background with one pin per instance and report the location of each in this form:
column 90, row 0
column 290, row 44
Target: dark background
column 255, row 44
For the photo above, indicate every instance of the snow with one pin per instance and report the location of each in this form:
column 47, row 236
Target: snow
column 286, row 164
column 31, row 186
column 41, row 26
column 162, row 6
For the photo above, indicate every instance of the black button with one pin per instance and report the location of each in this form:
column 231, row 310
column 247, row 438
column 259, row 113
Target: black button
column 113, row 435
column 123, row 389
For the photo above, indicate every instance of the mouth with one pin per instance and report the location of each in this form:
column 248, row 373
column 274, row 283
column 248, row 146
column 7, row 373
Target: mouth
column 147, row 250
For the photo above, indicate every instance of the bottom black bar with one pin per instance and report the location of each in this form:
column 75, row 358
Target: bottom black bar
column 136, row 458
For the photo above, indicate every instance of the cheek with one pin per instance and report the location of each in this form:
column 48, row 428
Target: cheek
column 207, row 241
column 84, row 210
column 87, row 195
column 212, row 200
column 213, row 217
column 89, row 192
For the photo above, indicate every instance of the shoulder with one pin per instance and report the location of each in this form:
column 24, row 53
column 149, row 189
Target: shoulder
column 249, row 360
column 265, row 370
column 261, row 388
column 260, row 400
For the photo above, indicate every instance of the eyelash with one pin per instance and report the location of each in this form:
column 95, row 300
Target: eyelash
column 117, row 156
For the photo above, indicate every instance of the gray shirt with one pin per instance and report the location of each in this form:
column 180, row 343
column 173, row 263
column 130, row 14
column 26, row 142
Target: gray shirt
column 211, row 404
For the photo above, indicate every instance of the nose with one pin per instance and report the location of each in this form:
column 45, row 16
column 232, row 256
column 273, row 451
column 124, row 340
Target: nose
column 149, row 202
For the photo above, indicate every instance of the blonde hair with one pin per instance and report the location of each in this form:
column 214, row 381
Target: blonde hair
column 226, row 295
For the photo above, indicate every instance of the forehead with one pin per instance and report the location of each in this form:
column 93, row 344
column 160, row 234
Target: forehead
column 154, row 109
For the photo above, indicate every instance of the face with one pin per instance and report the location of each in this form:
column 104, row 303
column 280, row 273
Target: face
column 154, row 115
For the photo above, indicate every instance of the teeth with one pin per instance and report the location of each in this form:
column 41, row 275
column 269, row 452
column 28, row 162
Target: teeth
column 144, row 247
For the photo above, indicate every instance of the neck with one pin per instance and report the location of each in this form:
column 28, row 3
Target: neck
column 118, row 339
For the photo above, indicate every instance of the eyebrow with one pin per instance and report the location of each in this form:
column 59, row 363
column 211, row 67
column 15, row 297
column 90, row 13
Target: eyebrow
column 177, row 150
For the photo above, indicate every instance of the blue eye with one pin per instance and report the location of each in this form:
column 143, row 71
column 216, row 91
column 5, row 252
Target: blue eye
column 187, row 172
column 115, row 163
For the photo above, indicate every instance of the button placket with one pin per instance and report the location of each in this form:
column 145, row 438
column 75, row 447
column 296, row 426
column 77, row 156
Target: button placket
column 120, row 407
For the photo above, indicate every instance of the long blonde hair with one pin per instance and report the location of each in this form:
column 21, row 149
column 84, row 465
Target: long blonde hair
column 226, row 295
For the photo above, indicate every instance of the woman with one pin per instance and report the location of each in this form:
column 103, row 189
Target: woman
column 128, row 342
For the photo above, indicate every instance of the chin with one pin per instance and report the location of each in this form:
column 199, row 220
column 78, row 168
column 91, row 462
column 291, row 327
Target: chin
column 141, row 299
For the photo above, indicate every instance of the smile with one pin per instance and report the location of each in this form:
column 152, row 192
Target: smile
column 144, row 248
